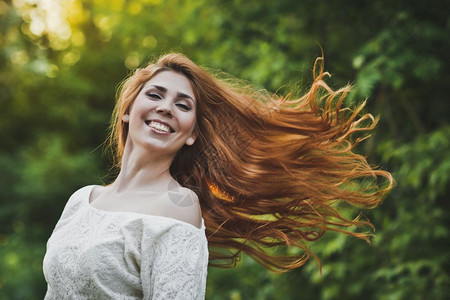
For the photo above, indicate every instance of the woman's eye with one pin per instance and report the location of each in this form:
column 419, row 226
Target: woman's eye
column 183, row 106
column 154, row 96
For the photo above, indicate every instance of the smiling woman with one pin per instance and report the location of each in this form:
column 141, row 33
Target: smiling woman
column 207, row 171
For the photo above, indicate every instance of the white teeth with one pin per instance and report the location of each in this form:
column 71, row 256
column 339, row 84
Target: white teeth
column 158, row 126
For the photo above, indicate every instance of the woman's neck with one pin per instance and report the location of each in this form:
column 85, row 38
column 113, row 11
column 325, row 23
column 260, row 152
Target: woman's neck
column 141, row 171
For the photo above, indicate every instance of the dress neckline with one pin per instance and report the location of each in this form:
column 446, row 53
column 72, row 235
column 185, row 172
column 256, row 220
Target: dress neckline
column 87, row 201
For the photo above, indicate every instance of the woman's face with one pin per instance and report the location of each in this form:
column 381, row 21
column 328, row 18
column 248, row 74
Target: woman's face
column 163, row 115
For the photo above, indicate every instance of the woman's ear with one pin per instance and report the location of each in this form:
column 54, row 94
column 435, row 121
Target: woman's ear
column 190, row 141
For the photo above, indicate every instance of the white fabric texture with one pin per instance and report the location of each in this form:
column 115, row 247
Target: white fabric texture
column 97, row 254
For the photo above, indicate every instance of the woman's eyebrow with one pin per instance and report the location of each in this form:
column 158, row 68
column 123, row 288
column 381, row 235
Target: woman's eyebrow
column 161, row 88
column 182, row 95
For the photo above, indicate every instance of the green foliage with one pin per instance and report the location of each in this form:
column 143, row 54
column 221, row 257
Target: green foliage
column 57, row 86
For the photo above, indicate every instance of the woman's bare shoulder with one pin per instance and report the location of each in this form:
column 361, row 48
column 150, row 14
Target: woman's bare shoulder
column 184, row 205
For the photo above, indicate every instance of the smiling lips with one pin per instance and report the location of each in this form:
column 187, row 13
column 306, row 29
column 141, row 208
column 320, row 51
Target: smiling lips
column 159, row 126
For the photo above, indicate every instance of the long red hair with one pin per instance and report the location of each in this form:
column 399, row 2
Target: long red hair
column 268, row 170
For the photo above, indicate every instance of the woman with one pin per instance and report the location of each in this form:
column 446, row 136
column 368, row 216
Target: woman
column 204, row 162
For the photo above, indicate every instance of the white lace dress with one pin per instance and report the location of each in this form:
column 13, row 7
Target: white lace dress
column 97, row 254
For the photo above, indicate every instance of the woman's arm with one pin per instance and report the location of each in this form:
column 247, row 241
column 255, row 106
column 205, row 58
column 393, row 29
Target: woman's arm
column 177, row 266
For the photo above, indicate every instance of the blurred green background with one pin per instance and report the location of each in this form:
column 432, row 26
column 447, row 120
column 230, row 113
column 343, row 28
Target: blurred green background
column 60, row 64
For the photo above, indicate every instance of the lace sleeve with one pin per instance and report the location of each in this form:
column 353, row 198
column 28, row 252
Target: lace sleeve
column 72, row 206
column 177, row 266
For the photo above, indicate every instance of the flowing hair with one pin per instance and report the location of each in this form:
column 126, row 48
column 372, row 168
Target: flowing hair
column 271, row 172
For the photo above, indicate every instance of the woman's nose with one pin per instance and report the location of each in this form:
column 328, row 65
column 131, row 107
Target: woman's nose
column 164, row 109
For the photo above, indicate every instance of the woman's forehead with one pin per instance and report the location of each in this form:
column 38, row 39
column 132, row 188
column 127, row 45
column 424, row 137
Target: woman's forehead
column 172, row 81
